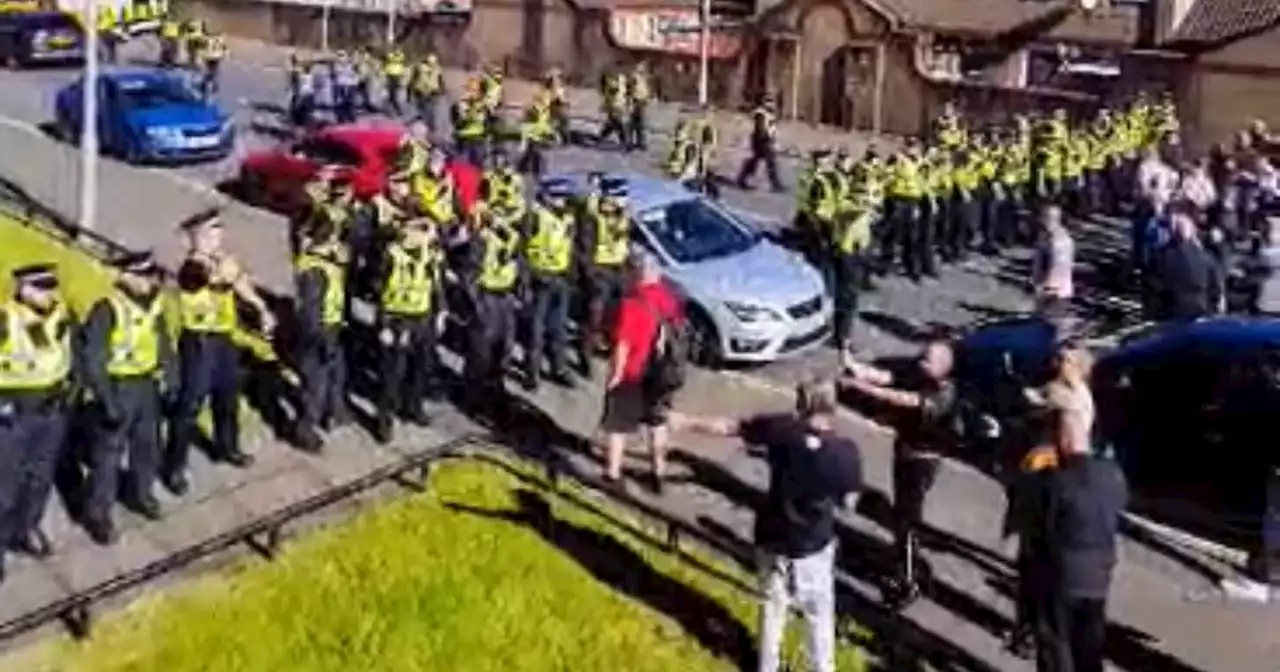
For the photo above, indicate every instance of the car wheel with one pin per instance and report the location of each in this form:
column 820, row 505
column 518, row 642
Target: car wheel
column 704, row 341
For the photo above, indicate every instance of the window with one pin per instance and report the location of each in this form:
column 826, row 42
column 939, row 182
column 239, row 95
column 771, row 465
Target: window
column 694, row 230
column 156, row 92
column 328, row 152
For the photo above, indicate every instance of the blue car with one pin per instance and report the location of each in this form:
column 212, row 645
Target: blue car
column 41, row 38
column 1188, row 410
column 148, row 116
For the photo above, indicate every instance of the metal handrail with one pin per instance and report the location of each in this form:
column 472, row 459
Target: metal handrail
column 263, row 534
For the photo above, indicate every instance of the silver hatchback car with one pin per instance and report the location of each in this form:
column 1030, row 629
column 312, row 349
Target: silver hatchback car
column 749, row 299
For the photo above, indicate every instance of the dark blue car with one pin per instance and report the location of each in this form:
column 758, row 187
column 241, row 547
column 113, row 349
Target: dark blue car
column 40, row 38
column 1190, row 410
column 148, row 116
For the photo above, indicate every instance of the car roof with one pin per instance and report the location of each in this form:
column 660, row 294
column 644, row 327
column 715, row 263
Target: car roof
column 39, row 18
column 1234, row 332
column 377, row 138
column 644, row 192
column 133, row 74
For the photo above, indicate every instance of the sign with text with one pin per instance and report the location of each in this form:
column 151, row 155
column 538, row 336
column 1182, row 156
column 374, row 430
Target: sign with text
column 443, row 8
column 671, row 31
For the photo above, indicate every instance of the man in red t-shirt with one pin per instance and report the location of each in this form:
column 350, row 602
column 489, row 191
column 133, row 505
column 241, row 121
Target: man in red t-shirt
column 631, row 399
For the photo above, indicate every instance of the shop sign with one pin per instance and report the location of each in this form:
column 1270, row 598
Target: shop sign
column 671, row 31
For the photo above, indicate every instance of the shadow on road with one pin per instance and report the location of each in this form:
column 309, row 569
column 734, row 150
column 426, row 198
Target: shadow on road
column 621, row 568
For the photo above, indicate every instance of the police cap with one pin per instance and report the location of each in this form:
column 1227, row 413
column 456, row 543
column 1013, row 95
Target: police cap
column 614, row 187
column 206, row 218
column 555, row 188
column 137, row 263
column 39, row 276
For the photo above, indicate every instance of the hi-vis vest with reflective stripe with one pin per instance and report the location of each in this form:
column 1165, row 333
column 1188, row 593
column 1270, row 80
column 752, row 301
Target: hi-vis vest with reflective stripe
column 412, row 283
column 499, row 269
column 135, row 337
column 551, row 245
column 34, row 361
column 505, row 187
column 435, row 196
column 471, row 119
column 612, row 238
column 334, row 298
column 208, row 310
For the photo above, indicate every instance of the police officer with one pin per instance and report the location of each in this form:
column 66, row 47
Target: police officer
column 411, row 307
column 331, row 198
column 553, row 85
column 426, row 85
column 193, row 38
column 436, row 193
column 346, row 88
column 682, row 161
column 808, row 226
column 209, row 283
column 111, row 31
column 604, row 243
column 707, row 140
column 764, row 131
column 491, row 89
column 502, row 187
column 906, row 192
column 170, row 42
column 493, row 274
column 36, row 360
column 394, row 72
column 321, row 288
column 536, row 134
column 966, row 203
column 549, row 241
column 367, row 69
column 615, row 100
column 471, row 125
column 639, row 94
column 129, row 368
column 852, row 237
column 213, row 53
column 949, row 133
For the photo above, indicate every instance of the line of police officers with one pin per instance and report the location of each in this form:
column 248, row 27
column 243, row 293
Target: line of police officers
column 964, row 190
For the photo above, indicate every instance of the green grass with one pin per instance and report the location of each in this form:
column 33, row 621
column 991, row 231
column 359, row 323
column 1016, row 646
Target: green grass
column 419, row 585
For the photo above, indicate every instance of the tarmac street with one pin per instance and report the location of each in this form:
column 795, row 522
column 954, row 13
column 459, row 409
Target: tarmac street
column 1158, row 624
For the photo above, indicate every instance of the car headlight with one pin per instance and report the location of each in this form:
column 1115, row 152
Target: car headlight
column 746, row 312
column 164, row 134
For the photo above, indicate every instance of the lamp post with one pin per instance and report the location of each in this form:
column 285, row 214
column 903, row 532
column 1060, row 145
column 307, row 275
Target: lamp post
column 89, row 131
column 704, row 50
column 391, row 23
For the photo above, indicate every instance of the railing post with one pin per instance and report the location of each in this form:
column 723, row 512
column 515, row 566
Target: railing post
column 78, row 620
column 673, row 537
column 268, row 545
column 424, row 474
column 553, row 475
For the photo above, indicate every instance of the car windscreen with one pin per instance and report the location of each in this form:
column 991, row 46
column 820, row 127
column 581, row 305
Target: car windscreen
column 694, row 230
column 153, row 93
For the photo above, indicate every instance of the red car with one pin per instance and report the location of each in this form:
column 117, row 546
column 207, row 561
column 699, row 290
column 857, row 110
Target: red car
column 275, row 178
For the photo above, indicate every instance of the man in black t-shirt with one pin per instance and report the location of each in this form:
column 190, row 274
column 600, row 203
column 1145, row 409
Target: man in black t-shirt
column 923, row 426
column 811, row 472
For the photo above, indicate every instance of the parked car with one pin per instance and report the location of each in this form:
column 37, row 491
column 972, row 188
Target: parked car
column 148, row 116
column 1187, row 409
column 40, row 38
column 749, row 298
column 275, row 178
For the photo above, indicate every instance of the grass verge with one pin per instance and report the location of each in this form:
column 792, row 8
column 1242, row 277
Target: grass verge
column 454, row 579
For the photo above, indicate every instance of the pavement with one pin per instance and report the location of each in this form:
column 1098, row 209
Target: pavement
column 1167, row 611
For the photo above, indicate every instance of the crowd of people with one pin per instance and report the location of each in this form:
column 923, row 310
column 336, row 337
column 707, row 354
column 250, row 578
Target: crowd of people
column 563, row 257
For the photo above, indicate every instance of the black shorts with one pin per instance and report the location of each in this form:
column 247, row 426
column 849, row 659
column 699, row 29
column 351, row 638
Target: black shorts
column 632, row 405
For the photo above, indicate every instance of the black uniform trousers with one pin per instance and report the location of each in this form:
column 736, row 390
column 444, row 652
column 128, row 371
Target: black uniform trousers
column 919, row 237
column 322, row 364
column 547, row 317
column 209, row 82
column 395, row 91
column 604, row 291
column 1009, row 227
column 132, row 437
column 33, row 431
column 913, row 477
column 901, row 236
column 408, row 364
column 1071, row 634
column 848, row 273
column 210, row 371
column 762, row 151
column 492, row 337
column 966, row 221
column 345, row 104
column 638, row 127
column 615, row 123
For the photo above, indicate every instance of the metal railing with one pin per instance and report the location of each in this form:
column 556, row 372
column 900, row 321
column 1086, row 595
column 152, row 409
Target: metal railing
column 263, row 534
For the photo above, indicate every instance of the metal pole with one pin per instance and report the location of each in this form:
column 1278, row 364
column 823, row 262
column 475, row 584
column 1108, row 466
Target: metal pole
column 704, row 48
column 325, row 11
column 89, row 135
column 391, row 23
